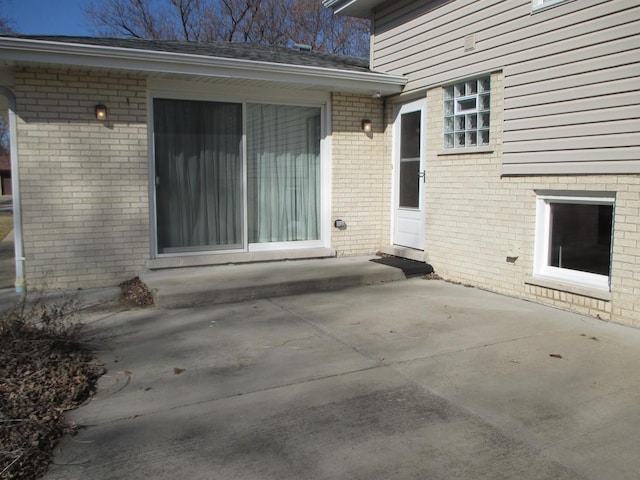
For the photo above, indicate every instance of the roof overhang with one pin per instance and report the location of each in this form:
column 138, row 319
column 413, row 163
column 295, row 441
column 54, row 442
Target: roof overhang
column 30, row 51
column 352, row 8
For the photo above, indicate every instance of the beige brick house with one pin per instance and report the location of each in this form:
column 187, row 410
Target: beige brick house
column 522, row 168
column 497, row 140
column 138, row 155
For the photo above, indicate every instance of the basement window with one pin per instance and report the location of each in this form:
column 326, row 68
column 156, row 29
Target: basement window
column 574, row 235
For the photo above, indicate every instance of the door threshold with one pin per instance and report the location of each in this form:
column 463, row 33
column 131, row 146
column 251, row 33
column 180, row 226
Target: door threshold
column 404, row 252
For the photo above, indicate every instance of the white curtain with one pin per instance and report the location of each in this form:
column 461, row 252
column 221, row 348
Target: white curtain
column 198, row 174
column 283, row 177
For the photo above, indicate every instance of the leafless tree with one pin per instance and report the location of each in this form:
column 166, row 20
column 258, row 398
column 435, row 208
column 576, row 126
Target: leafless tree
column 270, row 22
column 131, row 18
column 6, row 24
column 316, row 26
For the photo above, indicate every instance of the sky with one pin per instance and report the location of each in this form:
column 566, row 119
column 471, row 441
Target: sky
column 47, row 17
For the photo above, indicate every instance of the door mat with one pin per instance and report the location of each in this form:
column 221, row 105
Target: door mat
column 410, row 268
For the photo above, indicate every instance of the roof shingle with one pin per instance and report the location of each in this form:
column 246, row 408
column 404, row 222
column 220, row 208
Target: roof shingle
column 243, row 51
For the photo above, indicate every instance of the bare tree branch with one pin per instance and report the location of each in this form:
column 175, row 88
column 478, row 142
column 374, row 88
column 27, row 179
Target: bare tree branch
column 129, row 18
column 6, row 24
column 188, row 12
column 270, row 22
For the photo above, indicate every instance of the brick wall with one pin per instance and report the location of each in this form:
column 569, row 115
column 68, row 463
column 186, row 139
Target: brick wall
column 476, row 219
column 361, row 176
column 84, row 182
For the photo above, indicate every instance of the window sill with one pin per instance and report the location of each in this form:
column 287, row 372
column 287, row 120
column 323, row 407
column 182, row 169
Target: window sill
column 569, row 288
column 466, row 150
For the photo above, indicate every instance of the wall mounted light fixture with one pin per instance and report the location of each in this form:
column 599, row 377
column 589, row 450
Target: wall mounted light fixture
column 101, row 112
column 366, row 126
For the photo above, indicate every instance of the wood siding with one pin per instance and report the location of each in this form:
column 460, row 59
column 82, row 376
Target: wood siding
column 572, row 73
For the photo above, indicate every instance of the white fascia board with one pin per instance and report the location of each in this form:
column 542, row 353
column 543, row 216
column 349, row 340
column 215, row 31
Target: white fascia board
column 59, row 53
column 352, row 8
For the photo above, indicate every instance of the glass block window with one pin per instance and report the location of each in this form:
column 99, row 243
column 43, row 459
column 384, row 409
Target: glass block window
column 466, row 113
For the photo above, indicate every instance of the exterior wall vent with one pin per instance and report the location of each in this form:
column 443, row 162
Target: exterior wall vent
column 302, row 47
column 470, row 43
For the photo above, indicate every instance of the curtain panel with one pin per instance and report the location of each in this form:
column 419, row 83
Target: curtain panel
column 200, row 177
column 283, row 168
column 198, row 174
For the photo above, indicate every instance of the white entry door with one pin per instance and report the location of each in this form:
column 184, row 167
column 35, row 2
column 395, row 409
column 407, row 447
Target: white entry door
column 409, row 175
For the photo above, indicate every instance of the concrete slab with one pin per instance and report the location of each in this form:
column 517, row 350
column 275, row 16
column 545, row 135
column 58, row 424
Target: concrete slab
column 87, row 300
column 223, row 352
column 366, row 425
column 403, row 380
column 188, row 287
column 6, row 204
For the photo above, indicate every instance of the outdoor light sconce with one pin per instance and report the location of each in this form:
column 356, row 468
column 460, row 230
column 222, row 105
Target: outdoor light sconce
column 101, row 112
column 366, row 126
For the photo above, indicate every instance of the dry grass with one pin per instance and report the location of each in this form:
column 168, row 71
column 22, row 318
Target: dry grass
column 45, row 370
column 6, row 225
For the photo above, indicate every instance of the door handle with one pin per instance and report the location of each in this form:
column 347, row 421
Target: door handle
column 423, row 176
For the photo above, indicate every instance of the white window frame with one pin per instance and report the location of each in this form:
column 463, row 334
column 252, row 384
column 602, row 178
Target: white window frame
column 458, row 101
column 539, row 4
column 186, row 90
column 541, row 268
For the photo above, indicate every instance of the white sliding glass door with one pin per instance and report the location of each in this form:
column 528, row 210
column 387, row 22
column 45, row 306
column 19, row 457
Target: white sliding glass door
column 210, row 198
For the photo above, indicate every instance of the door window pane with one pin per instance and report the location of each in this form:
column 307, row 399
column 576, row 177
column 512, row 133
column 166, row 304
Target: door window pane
column 409, row 184
column 410, row 124
column 410, row 135
column 198, row 174
column 283, row 173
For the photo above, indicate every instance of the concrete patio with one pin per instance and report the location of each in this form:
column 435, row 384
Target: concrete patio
column 401, row 380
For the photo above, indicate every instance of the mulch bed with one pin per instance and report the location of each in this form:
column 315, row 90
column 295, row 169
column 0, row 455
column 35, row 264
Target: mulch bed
column 45, row 370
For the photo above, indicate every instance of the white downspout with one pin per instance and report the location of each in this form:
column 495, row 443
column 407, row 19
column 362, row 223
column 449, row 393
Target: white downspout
column 15, row 187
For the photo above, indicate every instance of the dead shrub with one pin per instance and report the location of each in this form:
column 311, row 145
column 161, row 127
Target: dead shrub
column 45, row 370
